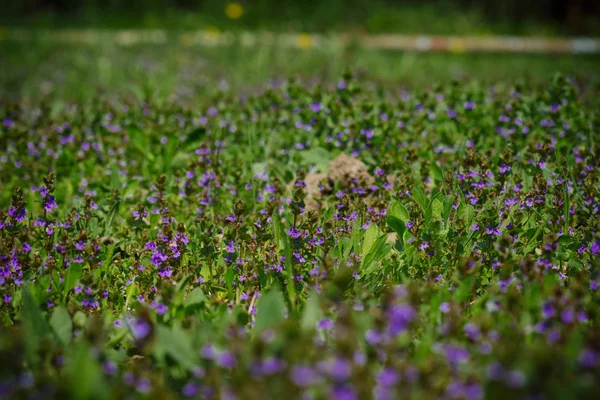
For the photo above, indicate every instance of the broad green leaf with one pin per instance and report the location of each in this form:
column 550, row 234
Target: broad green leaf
column 195, row 297
column 73, row 274
column 62, row 325
column 140, row 141
column 398, row 210
column 318, row 156
column 312, row 313
column 370, row 236
column 229, row 275
column 86, row 379
column 418, row 194
column 175, row 343
column 259, row 168
column 270, row 310
column 396, row 224
column 466, row 213
column 464, row 290
column 437, row 173
column 286, row 249
column 34, row 323
column 377, row 251
column 436, row 209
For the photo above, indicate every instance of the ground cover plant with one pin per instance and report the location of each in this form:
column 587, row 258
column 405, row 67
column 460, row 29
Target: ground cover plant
column 335, row 242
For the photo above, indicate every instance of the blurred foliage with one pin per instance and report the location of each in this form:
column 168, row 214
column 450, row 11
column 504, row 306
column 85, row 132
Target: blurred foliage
column 76, row 72
column 540, row 17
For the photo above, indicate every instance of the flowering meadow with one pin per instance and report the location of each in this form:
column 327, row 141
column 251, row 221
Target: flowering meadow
column 335, row 242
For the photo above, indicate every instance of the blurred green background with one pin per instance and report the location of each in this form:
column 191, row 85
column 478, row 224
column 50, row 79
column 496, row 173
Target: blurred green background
column 533, row 17
column 40, row 69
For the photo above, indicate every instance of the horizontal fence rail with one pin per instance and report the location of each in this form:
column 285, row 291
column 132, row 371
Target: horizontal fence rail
column 425, row 43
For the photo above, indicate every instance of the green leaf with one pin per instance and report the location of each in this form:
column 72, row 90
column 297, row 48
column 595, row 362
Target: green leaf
column 61, row 324
column 73, row 274
column 271, row 310
column 318, row 156
column 195, row 297
column 176, row 344
column 140, row 141
column 259, row 168
column 418, row 194
column 285, row 247
column 436, row 209
column 377, row 252
column 34, row 324
column 312, row 313
column 86, row 379
column 180, row 290
column 229, row 275
column 111, row 216
column 370, row 236
column 115, row 178
column 466, row 213
column 399, row 211
column 464, row 290
column 129, row 293
column 437, row 173
column 396, row 224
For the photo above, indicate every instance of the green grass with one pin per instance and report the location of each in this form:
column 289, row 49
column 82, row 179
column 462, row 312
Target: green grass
column 76, row 72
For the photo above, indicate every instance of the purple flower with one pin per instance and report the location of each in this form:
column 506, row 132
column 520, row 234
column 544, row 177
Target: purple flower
column 548, row 310
column 140, row 329
column 372, row 336
column 49, row 203
column 344, row 392
column 399, row 317
column 455, row 354
column 515, row 379
column 226, row 360
column 316, row 107
column 324, row 324
column 190, row 390
column 230, row 247
column 472, row 331
column 294, row 233
column 303, row 375
column 161, row 309
column 589, row 358
column 595, row 247
column 388, row 377
column 338, row 369
column 493, row 231
column 143, row 385
column 567, row 316
column 158, row 258
column 109, row 368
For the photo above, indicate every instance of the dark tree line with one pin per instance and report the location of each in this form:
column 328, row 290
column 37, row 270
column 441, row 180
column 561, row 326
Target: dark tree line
column 568, row 12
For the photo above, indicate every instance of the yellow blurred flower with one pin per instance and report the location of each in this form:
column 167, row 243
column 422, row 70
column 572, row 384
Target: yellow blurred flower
column 457, row 45
column 234, row 10
column 304, row 41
